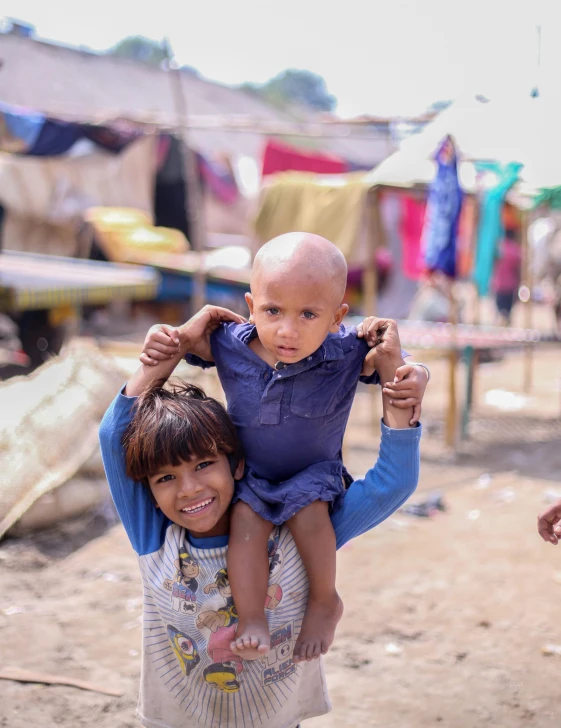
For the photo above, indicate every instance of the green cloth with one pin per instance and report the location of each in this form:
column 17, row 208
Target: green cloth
column 299, row 202
column 490, row 229
column 550, row 196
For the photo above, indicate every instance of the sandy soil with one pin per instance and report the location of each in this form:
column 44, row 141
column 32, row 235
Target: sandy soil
column 445, row 617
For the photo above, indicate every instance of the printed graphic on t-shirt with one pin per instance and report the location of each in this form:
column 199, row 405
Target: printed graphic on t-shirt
column 195, row 621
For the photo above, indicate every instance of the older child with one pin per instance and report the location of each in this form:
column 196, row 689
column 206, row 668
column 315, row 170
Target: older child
column 173, row 481
column 290, row 376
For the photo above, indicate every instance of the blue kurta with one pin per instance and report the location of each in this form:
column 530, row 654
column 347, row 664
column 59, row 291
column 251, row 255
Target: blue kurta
column 291, row 421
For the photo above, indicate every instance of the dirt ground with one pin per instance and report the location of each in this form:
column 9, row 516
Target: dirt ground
column 445, row 617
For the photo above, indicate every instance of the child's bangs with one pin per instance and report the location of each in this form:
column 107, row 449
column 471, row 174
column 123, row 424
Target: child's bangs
column 169, row 427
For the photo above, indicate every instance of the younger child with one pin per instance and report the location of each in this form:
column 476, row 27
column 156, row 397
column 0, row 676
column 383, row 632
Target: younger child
column 289, row 376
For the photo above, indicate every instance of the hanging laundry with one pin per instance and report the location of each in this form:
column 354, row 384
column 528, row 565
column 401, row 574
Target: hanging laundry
column 219, row 178
column 112, row 139
column 467, row 236
column 19, row 129
column 490, row 230
column 55, row 137
column 411, row 229
column 443, row 212
column 281, row 157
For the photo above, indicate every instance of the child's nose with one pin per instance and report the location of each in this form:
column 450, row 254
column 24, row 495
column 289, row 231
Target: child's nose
column 289, row 330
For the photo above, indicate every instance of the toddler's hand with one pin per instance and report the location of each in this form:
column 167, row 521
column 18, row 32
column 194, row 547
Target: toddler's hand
column 407, row 389
column 383, row 337
column 161, row 342
column 194, row 335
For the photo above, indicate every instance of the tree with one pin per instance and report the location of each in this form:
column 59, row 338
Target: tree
column 138, row 48
column 303, row 88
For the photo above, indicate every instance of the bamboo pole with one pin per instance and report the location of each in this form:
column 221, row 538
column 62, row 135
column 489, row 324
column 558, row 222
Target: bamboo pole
column 193, row 194
column 370, row 282
column 527, row 278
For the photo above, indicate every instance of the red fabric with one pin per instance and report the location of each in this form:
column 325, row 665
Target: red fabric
column 280, row 157
column 411, row 228
column 506, row 277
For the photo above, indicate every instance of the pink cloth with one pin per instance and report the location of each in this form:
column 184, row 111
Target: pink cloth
column 280, row 157
column 506, row 276
column 411, row 228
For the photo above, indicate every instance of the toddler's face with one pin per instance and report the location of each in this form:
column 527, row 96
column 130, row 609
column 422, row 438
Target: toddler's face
column 293, row 313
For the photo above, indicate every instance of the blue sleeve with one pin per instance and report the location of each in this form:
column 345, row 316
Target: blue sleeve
column 375, row 378
column 385, row 487
column 196, row 361
column 144, row 523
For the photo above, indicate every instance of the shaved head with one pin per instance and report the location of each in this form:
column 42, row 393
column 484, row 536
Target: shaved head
column 306, row 254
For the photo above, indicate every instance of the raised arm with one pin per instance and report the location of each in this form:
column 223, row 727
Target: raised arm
column 395, row 475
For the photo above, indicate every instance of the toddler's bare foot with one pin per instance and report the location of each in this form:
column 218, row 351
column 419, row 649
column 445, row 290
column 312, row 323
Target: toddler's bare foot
column 253, row 639
column 318, row 628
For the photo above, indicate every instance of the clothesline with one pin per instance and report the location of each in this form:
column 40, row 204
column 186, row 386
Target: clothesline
column 321, row 129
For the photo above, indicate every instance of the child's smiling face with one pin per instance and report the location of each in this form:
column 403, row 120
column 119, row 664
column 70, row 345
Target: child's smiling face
column 196, row 494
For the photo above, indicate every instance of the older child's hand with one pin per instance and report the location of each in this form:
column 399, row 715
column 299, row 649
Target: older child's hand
column 161, row 342
column 408, row 389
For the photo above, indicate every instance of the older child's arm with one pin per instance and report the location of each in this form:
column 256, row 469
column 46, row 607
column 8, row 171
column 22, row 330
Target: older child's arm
column 144, row 523
column 394, row 477
column 407, row 388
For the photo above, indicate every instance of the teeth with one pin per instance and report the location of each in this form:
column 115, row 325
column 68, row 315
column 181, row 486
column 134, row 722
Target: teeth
column 197, row 508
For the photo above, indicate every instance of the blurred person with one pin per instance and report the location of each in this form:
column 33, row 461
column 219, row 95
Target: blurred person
column 506, row 276
column 549, row 523
column 172, row 457
column 290, row 376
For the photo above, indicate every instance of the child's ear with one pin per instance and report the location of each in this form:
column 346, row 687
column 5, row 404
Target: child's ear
column 249, row 301
column 238, row 473
column 338, row 317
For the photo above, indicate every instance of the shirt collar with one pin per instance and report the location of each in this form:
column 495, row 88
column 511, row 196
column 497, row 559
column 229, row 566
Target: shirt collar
column 330, row 350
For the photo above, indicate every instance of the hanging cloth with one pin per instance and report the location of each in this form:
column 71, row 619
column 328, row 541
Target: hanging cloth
column 443, row 212
column 490, row 231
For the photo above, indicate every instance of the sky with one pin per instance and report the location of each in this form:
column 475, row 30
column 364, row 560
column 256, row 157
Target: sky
column 385, row 57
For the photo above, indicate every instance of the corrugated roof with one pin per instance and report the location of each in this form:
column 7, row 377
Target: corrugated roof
column 70, row 83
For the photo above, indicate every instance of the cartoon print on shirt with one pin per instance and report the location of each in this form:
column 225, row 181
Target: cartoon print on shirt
column 184, row 586
column 276, row 557
column 222, row 623
column 185, row 649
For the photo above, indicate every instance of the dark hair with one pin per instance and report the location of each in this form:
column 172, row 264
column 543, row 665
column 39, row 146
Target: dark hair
column 176, row 424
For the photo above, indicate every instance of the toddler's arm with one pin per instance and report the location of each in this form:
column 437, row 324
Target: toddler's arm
column 164, row 342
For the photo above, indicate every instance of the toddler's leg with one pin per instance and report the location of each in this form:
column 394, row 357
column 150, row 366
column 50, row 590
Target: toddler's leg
column 248, row 573
column 315, row 538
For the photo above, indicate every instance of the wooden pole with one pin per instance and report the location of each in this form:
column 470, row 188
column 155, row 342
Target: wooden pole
column 452, row 417
column 370, row 281
column 528, row 283
column 193, row 193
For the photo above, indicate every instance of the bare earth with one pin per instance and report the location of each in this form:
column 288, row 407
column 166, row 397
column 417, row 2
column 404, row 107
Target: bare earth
column 445, row 617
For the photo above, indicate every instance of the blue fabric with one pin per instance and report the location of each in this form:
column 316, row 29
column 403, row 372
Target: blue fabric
column 368, row 501
column 443, row 215
column 55, row 137
column 291, row 422
column 23, row 125
column 490, row 231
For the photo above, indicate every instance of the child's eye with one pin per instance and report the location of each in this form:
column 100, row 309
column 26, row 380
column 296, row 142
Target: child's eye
column 204, row 464
column 309, row 315
column 165, row 478
column 272, row 311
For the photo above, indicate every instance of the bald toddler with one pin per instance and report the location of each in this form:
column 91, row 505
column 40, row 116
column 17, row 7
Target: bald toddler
column 290, row 375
